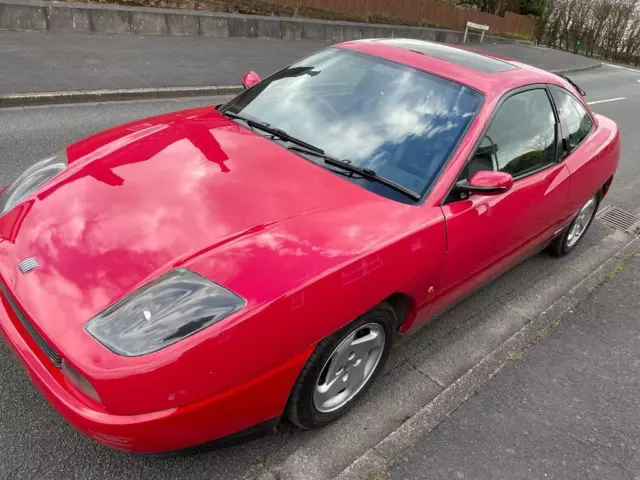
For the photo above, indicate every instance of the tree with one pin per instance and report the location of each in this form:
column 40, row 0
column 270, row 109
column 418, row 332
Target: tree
column 606, row 28
column 494, row 7
column 535, row 8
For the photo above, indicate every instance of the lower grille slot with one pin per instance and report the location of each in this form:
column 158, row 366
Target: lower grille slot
column 54, row 356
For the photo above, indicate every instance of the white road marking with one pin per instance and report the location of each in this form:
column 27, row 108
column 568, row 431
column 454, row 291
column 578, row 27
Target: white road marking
column 607, row 100
column 620, row 66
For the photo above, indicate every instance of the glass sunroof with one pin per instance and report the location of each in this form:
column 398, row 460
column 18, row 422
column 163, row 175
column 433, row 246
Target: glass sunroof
column 458, row 56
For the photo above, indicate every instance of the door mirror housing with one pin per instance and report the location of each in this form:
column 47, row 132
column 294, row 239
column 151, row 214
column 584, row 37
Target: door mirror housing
column 250, row 79
column 486, row 183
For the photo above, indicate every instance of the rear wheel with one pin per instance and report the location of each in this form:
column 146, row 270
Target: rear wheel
column 342, row 368
column 575, row 231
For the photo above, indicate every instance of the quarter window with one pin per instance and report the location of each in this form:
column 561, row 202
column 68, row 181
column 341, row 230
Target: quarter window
column 575, row 117
column 522, row 136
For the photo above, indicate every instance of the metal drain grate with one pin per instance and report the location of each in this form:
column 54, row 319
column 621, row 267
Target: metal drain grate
column 617, row 218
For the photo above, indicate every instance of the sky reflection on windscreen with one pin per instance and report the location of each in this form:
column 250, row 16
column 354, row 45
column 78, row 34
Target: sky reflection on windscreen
column 400, row 122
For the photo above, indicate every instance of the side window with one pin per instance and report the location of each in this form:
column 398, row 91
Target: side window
column 522, row 136
column 574, row 116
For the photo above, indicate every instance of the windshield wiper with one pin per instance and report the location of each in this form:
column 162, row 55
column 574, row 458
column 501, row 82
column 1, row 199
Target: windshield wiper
column 363, row 172
column 318, row 152
column 276, row 132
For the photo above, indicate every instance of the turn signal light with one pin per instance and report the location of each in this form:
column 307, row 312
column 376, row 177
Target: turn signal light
column 79, row 381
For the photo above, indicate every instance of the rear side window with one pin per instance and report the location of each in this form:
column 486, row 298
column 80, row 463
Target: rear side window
column 521, row 138
column 575, row 119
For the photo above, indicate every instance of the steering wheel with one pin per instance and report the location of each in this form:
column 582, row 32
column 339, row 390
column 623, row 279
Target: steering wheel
column 326, row 106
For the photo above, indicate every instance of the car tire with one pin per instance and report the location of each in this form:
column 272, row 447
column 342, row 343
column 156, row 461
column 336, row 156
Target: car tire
column 312, row 402
column 569, row 238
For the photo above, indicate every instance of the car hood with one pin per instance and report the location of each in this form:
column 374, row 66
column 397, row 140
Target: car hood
column 143, row 198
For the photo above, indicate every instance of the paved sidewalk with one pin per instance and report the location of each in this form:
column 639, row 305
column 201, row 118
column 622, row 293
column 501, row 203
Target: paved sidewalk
column 37, row 62
column 567, row 409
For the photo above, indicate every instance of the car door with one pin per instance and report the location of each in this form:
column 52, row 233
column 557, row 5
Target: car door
column 580, row 149
column 487, row 234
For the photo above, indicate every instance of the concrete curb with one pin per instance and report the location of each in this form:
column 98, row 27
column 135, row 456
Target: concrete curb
column 379, row 459
column 83, row 96
column 47, row 16
column 578, row 69
column 119, row 94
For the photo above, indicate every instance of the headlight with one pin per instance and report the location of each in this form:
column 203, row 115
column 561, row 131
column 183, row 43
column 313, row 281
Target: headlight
column 163, row 312
column 32, row 179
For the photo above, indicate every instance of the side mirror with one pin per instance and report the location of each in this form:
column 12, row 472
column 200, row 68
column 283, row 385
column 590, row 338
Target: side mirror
column 250, row 79
column 486, row 183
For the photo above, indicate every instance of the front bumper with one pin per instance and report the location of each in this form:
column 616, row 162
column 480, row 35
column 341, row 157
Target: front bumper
column 255, row 403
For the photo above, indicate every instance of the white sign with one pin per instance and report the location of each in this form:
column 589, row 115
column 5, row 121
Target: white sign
column 477, row 26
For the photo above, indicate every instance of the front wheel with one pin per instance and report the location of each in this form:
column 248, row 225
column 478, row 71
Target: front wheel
column 342, row 368
column 572, row 234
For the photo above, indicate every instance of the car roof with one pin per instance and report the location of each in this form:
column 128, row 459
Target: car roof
column 491, row 74
column 464, row 58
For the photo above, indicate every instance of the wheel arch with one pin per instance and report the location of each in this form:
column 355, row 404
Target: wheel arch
column 606, row 187
column 403, row 306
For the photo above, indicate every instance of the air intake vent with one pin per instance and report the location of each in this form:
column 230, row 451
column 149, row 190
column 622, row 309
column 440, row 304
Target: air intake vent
column 55, row 358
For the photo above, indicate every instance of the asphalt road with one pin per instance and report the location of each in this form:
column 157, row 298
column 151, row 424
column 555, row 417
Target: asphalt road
column 35, row 443
column 71, row 61
column 36, row 62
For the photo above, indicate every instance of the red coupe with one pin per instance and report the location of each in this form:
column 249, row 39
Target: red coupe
column 201, row 274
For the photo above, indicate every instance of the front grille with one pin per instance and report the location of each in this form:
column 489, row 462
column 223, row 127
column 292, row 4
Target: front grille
column 55, row 358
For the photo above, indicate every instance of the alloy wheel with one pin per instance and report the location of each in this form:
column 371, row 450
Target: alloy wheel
column 581, row 222
column 349, row 367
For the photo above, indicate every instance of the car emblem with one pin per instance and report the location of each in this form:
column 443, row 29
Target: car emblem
column 27, row 265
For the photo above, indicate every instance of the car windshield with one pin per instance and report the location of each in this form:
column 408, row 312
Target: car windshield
column 399, row 122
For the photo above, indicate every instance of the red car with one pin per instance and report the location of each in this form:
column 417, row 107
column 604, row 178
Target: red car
column 201, row 274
